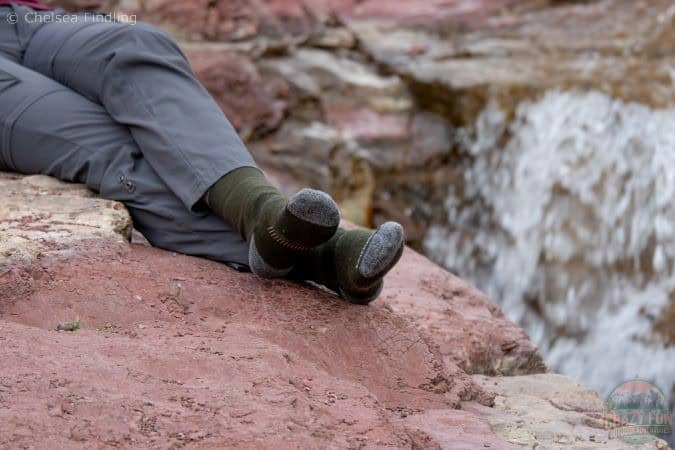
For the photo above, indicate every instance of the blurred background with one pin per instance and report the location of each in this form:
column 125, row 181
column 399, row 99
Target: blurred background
column 527, row 146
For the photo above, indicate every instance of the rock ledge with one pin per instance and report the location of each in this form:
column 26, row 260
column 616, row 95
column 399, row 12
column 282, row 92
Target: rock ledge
column 180, row 351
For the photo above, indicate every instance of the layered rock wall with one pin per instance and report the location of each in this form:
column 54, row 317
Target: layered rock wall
column 372, row 100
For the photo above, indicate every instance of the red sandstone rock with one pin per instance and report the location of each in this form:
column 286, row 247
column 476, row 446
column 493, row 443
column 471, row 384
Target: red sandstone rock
column 254, row 107
column 470, row 331
column 178, row 351
column 175, row 349
column 404, row 11
column 236, row 20
column 367, row 125
column 230, row 20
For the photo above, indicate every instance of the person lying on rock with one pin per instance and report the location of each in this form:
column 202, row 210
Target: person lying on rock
column 116, row 106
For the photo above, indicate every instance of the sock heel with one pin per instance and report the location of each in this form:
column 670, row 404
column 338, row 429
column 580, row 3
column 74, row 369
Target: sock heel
column 308, row 219
column 314, row 207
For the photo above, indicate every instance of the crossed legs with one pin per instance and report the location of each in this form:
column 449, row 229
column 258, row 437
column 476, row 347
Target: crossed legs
column 117, row 107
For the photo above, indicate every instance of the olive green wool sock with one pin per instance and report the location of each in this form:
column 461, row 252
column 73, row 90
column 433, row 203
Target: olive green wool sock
column 277, row 229
column 353, row 263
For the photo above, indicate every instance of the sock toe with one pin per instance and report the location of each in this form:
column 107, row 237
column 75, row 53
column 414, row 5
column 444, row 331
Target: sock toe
column 362, row 259
column 382, row 251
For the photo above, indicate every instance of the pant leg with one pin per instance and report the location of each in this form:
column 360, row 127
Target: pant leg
column 47, row 128
column 141, row 77
column 10, row 47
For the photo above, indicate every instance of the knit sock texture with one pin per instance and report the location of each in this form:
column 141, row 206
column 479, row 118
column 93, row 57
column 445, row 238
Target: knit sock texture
column 279, row 230
column 353, row 263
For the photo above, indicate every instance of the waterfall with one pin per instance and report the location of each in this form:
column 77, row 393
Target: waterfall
column 566, row 217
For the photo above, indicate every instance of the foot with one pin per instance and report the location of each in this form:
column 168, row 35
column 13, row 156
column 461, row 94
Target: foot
column 286, row 229
column 363, row 258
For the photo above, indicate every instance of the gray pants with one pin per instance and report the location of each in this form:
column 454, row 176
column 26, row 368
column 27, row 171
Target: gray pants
column 117, row 107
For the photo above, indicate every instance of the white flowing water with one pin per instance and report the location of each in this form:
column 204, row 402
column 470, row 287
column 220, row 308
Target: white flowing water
column 567, row 219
